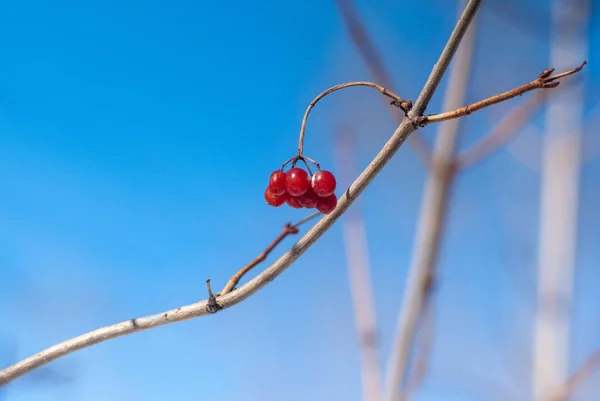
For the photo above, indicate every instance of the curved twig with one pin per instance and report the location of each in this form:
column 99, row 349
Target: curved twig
column 287, row 230
column 312, row 104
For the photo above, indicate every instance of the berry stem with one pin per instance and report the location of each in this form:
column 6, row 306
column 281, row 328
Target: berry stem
column 295, row 159
column 306, row 164
column 385, row 92
column 313, row 162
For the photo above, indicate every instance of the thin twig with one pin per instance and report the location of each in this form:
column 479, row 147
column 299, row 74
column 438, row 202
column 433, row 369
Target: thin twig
column 359, row 274
column 312, row 104
column 287, row 230
column 436, row 200
column 544, row 81
column 579, row 376
column 444, row 61
column 502, row 132
column 197, row 309
column 374, row 63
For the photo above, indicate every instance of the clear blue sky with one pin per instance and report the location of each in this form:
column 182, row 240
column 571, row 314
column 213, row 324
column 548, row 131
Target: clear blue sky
column 136, row 139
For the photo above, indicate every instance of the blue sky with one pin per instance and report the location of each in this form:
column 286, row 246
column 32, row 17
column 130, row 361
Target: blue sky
column 136, row 139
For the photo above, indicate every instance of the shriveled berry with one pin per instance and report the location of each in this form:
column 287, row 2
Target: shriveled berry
column 293, row 202
column 277, row 182
column 275, row 200
column 296, row 181
column 327, row 204
column 309, row 200
column 323, row 183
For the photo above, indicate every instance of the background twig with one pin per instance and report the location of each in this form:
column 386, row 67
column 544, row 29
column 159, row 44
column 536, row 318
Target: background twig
column 423, row 351
column 578, row 377
column 433, row 214
column 559, row 204
column 366, row 48
column 502, row 132
column 359, row 274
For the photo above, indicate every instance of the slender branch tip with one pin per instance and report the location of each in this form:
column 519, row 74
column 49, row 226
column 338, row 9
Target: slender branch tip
column 211, row 306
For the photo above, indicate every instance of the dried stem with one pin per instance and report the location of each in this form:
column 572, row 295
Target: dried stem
column 578, row 377
column 312, row 104
column 502, row 132
column 544, row 81
column 287, row 230
column 374, row 63
column 436, row 200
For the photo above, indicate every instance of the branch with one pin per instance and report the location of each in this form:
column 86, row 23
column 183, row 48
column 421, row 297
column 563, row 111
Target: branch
column 371, row 57
column 502, row 132
column 198, row 309
column 578, row 377
column 436, row 199
column 544, row 81
column 423, row 355
column 442, row 65
column 365, row 45
column 359, row 275
column 287, row 230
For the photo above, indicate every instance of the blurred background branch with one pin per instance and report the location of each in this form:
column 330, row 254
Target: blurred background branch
column 359, row 270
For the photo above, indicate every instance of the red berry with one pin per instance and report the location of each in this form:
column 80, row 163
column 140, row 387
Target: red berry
column 323, row 183
column 277, row 182
column 293, row 202
column 327, row 204
column 274, row 200
column 296, row 181
column 309, row 200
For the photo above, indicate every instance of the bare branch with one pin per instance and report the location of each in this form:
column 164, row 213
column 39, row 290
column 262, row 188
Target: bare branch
column 287, row 230
column 502, row 132
column 326, row 92
column 365, row 45
column 424, row 351
column 371, row 57
column 436, row 199
column 559, row 204
column 197, row 309
column 359, row 274
column 578, row 377
column 544, row 81
column 449, row 50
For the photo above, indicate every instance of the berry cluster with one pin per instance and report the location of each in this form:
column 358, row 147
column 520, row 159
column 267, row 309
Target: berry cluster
column 298, row 190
